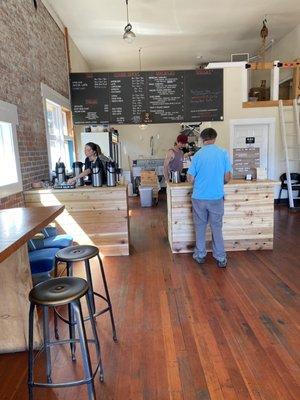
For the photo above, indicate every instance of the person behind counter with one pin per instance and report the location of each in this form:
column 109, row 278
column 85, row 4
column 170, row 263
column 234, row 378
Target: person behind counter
column 174, row 157
column 209, row 170
column 93, row 155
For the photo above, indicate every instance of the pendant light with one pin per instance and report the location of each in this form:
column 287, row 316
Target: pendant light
column 128, row 35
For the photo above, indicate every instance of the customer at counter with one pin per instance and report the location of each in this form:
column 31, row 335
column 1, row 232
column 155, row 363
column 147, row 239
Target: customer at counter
column 174, row 157
column 209, row 170
column 93, row 155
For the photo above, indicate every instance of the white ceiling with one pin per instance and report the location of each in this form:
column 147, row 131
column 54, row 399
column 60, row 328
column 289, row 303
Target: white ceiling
column 171, row 33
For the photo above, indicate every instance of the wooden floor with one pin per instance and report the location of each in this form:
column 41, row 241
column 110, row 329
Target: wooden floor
column 187, row 331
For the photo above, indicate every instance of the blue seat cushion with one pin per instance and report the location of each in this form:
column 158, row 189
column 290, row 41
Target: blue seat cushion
column 58, row 241
column 42, row 260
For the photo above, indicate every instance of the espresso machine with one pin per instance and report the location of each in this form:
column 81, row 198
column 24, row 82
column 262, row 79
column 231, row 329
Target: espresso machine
column 77, row 169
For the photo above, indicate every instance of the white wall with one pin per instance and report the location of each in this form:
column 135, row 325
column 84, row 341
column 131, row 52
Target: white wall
column 78, row 62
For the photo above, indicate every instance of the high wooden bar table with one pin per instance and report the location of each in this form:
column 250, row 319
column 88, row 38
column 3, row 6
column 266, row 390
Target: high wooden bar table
column 93, row 215
column 17, row 226
column 248, row 216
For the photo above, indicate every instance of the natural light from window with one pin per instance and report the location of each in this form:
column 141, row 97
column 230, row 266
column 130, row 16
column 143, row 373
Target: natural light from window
column 61, row 144
column 8, row 166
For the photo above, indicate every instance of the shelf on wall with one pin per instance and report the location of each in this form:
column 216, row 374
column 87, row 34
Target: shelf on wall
column 267, row 103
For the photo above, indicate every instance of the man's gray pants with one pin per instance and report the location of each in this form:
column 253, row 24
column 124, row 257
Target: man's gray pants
column 209, row 212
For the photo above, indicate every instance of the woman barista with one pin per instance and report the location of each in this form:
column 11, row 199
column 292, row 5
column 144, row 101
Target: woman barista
column 93, row 155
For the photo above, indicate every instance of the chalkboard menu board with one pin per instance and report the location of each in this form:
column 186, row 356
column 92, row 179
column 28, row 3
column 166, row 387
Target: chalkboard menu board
column 165, row 96
column 203, row 97
column 127, row 97
column 90, row 98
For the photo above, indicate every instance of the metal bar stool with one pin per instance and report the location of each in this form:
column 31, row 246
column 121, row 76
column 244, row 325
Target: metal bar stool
column 52, row 293
column 72, row 254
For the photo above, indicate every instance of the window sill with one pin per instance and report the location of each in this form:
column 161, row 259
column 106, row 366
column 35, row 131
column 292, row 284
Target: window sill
column 9, row 190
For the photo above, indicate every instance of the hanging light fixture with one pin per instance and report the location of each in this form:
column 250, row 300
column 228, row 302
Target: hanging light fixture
column 128, row 35
column 145, row 116
column 264, row 32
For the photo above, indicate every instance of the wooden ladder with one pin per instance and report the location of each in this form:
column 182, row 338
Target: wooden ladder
column 287, row 148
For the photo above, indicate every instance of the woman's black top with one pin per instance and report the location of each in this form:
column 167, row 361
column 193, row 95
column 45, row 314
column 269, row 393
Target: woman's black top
column 88, row 165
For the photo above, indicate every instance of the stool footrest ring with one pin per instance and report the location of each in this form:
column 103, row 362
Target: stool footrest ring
column 96, row 314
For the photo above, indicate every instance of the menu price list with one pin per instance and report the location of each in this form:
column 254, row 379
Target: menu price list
column 164, row 96
column 127, row 97
column 245, row 161
column 90, row 98
column 204, row 95
column 165, row 91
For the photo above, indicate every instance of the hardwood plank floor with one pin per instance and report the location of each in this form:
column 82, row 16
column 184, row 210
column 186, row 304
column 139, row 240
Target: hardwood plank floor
column 189, row 332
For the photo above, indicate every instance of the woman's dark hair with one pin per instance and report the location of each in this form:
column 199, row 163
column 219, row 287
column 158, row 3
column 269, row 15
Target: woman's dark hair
column 208, row 134
column 95, row 147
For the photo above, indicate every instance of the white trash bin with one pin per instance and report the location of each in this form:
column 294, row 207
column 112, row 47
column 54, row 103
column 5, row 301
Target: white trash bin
column 146, row 196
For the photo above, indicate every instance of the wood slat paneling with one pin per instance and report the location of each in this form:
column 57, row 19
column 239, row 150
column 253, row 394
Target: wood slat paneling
column 91, row 216
column 248, row 216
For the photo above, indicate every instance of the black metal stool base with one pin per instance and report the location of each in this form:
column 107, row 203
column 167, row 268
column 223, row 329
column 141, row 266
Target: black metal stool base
column 62, row 291
column 85, row 253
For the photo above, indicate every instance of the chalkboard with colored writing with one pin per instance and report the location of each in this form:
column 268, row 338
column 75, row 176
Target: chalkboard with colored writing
column 203, row 95
column 90, row 98
column 164, row 96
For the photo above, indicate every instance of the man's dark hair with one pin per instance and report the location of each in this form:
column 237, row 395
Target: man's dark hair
column 208, row 134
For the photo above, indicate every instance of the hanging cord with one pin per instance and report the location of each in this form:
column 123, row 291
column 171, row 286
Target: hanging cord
column 127, row 12
column 140, row 59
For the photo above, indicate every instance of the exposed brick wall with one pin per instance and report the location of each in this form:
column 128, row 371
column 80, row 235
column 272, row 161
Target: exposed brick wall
column 16, row 200
column 32, row 50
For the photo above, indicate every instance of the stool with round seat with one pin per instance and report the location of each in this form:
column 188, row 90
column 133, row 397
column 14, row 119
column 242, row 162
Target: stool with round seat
column 84, row 253
column 57, row 292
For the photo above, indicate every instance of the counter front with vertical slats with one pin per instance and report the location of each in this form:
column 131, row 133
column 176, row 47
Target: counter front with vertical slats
column 248, row 219
column 97, row 216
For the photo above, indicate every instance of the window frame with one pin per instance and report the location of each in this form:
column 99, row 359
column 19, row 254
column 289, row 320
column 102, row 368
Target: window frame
column 54, row 97
column 9, row 114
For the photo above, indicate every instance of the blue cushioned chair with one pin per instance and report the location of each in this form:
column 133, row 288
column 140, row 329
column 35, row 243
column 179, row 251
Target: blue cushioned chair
column 42, row 263
column 58, row 241
column 46, row 241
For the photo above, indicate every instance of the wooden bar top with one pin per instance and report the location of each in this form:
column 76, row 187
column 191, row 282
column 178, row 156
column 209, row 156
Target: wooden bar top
column 232, row 182
column 18, row 225
column 81, row 189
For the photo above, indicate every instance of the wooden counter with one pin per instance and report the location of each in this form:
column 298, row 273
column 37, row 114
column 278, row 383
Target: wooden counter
column 97, row 216
column 17, row 226
column 248, row 218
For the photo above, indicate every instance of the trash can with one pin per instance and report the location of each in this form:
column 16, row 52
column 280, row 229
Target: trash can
column 146, row 196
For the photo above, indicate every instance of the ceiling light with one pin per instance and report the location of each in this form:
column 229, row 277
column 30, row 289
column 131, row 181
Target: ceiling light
column 128, row 35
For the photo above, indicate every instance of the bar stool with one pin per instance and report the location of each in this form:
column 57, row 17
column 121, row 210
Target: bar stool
column 52, row 293
column 72, row 254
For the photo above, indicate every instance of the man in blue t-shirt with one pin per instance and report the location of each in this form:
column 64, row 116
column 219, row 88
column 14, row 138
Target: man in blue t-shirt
column 209, row 170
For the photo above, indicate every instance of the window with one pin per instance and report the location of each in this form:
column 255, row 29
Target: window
column 59, row 128
column 10, row 174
